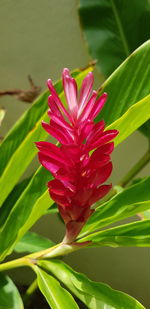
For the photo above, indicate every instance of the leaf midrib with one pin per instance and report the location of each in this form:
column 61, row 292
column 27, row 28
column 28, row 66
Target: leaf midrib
column 120, row 28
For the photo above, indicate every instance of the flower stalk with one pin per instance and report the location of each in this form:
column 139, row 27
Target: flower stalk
column 135, row 169
column 60, row 249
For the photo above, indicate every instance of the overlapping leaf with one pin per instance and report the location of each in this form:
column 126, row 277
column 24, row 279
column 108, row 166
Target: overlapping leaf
column 94, row 295
column 127, row 85
column 131, row 201
column 113, row 35
column 9, row 295
column 56, row 296
column 133, row 234
column 114, row 29
column 27, row 210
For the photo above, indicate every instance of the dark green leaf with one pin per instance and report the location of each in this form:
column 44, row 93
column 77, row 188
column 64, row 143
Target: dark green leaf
column 94, row 295
column 114, row 28
column 113, row 34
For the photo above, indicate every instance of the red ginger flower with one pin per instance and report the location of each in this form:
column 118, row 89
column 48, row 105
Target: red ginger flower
column 78, row 176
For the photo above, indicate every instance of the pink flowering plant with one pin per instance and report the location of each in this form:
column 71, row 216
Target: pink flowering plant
column 78, row 175
column 75, row 129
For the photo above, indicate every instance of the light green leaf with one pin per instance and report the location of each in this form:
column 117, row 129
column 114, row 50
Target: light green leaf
column 2, row 115
column 145, row 215
column 131, row 120
column 32, row 242
column 127, row 203
column 18, row 149
column 12, row 199
column 56, row 296
column 124, row 87
column 114, row 29
column 31, row 205
column 9, row 295
column 94, row 295
column 136, row 234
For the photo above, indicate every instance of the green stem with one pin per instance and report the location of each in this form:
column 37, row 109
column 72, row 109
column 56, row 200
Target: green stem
column 135, row 169
column 31, row 289
column 24, row 261
column 27, row 260
column 31, row 259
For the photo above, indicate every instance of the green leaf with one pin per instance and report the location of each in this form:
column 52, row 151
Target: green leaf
column 32, row 242
column 145, row 129
column 12, row 199
column 94, row 295
column 136, row 234
column 31, row 205
column 113, row 34
column 9, row 295
column 18, row 149
column 131, row 120
column 56, row 296
column 114, row 29
column 124, row 87
column 127, row 203
column 145, row 214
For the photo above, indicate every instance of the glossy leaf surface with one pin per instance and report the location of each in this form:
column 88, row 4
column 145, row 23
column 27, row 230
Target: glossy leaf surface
column 124, row 87
column 9, row 295
column 113, row 29
column 127, row 203
column 94, row 295
column 31, row 205
column 56, row 296
column 136, row 234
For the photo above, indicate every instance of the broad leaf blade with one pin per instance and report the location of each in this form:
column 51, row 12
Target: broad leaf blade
column 93, row 294
column 124, row 87
column 131, row 119
column 114, row 29
column 9, row 295
column 31, row 205
column 32, row 242
column 127, row 203
column 136, row 234
column 56, row 296
column 12, row 199
column 113, row 34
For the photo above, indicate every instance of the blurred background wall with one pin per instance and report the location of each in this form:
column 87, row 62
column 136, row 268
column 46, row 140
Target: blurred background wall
column 40, row 38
